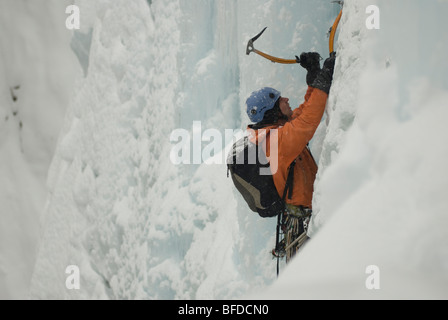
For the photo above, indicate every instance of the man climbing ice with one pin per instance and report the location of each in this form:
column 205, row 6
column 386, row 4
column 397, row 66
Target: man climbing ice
column 268, row 110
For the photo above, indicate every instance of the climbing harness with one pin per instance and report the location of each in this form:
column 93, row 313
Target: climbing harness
column 295, row 226
column 292, row 228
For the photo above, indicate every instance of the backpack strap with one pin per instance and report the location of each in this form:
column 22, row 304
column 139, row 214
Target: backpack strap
column 280, row 218
column 289, row 186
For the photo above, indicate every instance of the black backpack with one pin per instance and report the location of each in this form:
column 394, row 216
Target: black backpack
column 244, row 163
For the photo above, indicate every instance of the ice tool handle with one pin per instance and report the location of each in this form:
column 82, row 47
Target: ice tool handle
column 335, row 26
column 250, row 48
column 333, row 31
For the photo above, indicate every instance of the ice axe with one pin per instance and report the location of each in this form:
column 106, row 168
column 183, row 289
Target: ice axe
column 250, row 45
column 250, row 48
column 335, row 26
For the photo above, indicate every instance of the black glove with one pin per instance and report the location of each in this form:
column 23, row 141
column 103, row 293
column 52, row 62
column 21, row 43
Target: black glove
column 311, row 62
column 325, row 77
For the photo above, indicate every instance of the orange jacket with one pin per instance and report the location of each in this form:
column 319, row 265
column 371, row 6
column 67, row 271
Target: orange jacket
column 293, row 137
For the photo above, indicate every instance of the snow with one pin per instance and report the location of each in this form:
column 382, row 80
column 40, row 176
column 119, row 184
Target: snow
column 90, row 181
column 37, row 68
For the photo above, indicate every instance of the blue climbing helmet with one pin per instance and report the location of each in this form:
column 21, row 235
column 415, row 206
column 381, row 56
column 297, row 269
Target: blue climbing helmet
column 261, row 101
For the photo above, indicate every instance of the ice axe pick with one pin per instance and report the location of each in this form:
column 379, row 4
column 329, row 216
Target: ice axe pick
column 250, row 48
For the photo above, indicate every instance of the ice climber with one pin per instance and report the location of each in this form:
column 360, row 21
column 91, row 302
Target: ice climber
column 268, row 110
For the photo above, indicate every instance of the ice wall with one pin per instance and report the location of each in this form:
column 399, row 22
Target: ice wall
column 380, row 192
column 37, row 73
column 135, row 224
